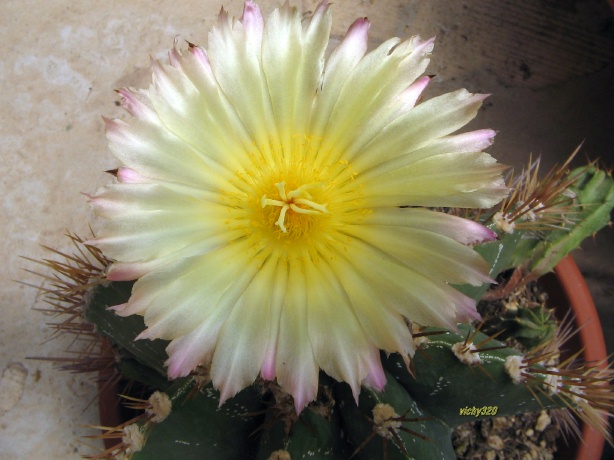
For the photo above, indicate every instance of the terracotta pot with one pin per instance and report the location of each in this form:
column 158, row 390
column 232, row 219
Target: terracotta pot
column 568, row 291
column 109, row 404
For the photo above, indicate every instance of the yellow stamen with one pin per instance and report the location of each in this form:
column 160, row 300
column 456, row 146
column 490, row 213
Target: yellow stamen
column 292, row 200
column 282, row 218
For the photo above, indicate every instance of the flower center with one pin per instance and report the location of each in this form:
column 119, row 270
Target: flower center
column 297, row 201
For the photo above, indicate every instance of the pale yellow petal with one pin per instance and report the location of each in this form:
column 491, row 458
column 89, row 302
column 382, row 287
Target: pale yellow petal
column 452, row 180
column 292, row 61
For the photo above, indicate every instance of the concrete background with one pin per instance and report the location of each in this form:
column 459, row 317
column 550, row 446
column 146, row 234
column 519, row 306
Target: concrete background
column 547, row 63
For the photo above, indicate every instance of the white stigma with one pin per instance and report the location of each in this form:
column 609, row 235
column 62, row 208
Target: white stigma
column 292, row 200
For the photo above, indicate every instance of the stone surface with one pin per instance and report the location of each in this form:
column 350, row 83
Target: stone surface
column 548, row 65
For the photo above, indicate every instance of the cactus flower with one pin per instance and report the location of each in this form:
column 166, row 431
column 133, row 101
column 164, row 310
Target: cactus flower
column 272, row 202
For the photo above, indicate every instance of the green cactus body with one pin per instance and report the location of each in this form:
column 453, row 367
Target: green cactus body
column 123, row 331
column 358, row 423
column 499, row 256
column 313, row 436
column 131, row 369
column 458, row 392
column 198, row 428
